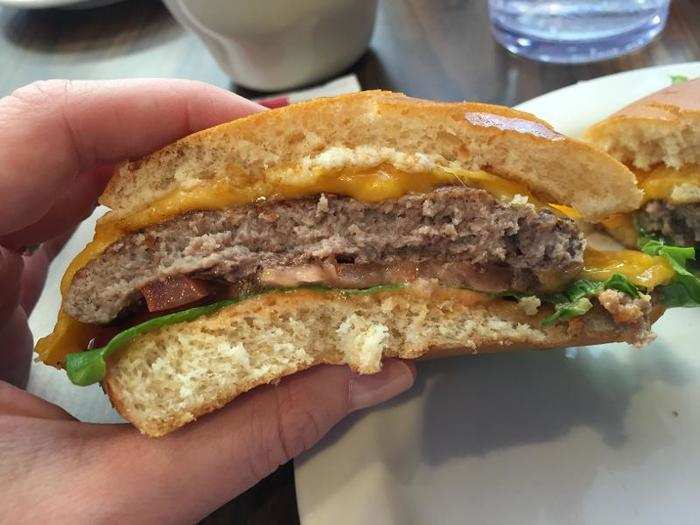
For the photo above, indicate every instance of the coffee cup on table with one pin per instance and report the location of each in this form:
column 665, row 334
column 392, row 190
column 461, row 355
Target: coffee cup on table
column 272, row 45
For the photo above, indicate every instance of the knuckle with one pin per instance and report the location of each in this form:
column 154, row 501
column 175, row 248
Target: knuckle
column 282, row 424
column 261, row 444
column 41, row 92
column 297, row 421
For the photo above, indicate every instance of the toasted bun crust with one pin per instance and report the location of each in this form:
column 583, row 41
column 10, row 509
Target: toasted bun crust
column 663, row 128
column 376, row 127
column 169, row 377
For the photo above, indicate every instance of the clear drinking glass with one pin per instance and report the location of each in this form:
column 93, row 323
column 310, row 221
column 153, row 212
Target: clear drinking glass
column 575, row 31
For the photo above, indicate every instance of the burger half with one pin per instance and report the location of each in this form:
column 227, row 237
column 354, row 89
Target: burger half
column 343, row 231
column 658, row 137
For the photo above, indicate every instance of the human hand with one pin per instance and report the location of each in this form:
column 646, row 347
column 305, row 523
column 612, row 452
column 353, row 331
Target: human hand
column 58, row 141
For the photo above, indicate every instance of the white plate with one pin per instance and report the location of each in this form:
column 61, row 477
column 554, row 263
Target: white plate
column 605, row 435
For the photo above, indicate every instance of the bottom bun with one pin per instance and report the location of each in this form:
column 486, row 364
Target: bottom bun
column 170, row 376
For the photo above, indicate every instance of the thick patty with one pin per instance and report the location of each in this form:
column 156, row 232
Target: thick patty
column 678, row 223
column 451, row 225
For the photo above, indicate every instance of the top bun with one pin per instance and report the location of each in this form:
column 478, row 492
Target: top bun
column 663, row 128
column 364, row 130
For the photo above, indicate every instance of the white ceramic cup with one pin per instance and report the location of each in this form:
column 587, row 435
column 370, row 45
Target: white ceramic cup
column 271, row 45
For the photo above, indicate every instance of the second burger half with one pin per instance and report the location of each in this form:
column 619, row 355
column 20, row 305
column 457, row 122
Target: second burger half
column 658, row 137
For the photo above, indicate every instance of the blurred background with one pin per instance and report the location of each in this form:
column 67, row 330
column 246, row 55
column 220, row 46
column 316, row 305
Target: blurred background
column 440, row 49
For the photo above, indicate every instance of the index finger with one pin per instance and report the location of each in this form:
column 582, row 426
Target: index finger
column 53, row 130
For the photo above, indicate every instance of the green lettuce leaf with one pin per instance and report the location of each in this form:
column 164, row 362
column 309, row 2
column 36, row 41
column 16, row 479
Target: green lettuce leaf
column 90, row 366
column 678, row 257
column 568, row 310
column 576, row 300
column 684, row 289
column 86, row 368
column 678, row 79
column 622, row 284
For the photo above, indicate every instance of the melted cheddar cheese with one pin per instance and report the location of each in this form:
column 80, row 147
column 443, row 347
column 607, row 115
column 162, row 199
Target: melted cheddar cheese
column 68, row 336
column 641, row 269
column 567, row 211
column 678, row 186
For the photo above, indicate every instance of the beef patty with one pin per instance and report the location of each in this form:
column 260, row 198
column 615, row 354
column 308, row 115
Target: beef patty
column 678, row 223
column 452, row 231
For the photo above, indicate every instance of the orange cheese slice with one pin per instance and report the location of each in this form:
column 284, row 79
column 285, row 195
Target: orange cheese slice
column 678, row 186
column 641, row 269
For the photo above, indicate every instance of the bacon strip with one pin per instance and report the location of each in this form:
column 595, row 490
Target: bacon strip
column 173, row 292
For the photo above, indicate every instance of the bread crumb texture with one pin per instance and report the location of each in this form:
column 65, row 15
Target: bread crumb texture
column 170, row 376
column 530, row 304
column 663, row 128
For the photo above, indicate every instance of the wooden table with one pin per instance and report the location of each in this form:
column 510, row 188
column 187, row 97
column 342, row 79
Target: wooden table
column 438, row 49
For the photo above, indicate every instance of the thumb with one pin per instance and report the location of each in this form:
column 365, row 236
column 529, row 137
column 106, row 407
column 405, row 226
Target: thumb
column 199, row 468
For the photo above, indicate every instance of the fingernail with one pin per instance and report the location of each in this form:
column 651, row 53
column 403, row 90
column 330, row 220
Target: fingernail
column 395, row 377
